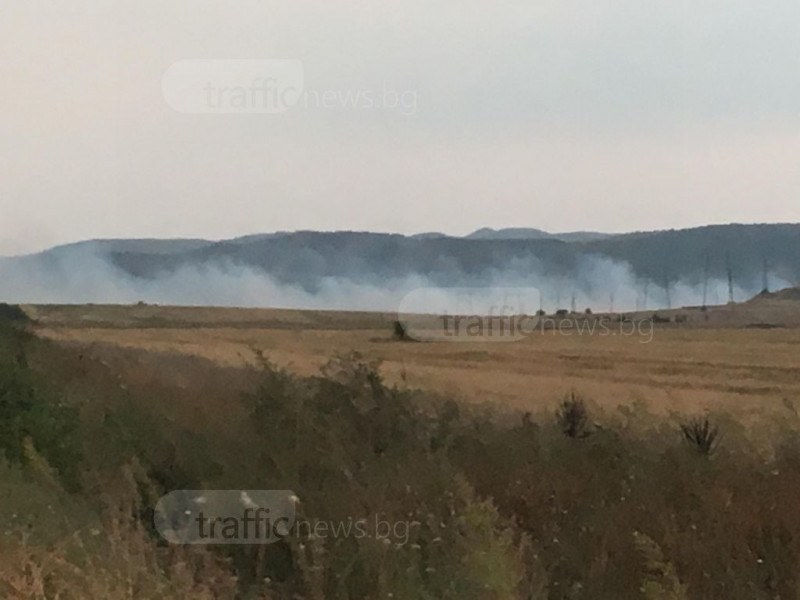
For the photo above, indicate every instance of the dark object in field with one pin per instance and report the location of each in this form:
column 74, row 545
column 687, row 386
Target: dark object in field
column 763, row 326
column 657, row 318
column 588, row 311
column 562, row 312
column 701, row 434
column 572, row 416
column 400, row 333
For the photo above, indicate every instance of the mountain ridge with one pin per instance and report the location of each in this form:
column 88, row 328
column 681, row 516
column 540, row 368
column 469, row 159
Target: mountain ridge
column 667, row 264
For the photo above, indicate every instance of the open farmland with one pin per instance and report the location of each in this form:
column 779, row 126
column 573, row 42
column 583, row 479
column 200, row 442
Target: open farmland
column 740, row 359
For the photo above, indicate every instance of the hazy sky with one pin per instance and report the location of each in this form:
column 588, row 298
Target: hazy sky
column 608, row 115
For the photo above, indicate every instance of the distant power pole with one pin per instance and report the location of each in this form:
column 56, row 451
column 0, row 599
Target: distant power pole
column 611, row 303
column 729, row 269
column 573, row 306
column 646, row 290
column 706, row 267
column 666, row 290
column 765, row 277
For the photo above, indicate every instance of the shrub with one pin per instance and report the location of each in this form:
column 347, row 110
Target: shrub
column 31, row 413
column 701, row 434
column 399, row 332
column 573, row 417
column 12, row 313
column 660, row 581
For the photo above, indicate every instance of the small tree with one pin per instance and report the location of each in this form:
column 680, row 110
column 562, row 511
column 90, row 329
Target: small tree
column 399, row 332
column 572, row 416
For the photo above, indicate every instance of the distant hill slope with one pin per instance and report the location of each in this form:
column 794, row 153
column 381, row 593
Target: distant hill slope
column 786, row 295
column 527, row 233
column 692, row 253
column 658, row 256
column 148, row 246
column 309, row 259
column 305, row 258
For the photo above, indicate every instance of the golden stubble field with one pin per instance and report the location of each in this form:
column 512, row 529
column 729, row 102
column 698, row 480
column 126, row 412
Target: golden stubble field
column 685, row 368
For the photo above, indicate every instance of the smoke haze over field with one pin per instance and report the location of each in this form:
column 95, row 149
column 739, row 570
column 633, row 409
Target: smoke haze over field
column 352, row 271
column 87, row 277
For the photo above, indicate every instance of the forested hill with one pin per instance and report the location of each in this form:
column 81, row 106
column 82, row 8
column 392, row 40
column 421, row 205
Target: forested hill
column 673, row 255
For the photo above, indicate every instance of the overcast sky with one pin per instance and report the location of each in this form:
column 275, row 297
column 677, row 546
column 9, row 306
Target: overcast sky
column 609, row 115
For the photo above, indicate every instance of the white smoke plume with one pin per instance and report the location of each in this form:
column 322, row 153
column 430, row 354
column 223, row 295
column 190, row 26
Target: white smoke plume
column 84, row 274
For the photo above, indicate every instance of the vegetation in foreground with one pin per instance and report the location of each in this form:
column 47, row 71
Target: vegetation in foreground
column 580, row 504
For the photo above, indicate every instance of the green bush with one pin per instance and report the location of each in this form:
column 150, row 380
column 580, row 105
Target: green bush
column 30, row 410
column 12, row 313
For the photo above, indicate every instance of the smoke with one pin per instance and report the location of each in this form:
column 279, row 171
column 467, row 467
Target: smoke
column 85, row 274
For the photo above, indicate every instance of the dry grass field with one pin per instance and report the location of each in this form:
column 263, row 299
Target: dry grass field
column 741, row 359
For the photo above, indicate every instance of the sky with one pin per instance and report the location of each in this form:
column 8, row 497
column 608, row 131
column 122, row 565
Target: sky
column 606, row 115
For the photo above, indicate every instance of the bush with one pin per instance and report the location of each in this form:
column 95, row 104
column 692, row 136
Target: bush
column 573, row 417
column 12, row 313
column 701, row 435
column 661, row 581
column 31, row 411
column 345, row 440
column 399, row 332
